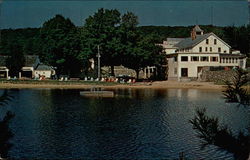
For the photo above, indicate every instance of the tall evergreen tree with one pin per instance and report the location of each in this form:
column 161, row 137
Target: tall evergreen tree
column 61, row 45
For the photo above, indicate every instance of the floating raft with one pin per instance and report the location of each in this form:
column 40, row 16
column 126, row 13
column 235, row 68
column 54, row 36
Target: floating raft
column 97, row 93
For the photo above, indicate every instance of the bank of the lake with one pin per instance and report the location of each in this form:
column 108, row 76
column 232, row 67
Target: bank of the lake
column 86, row 85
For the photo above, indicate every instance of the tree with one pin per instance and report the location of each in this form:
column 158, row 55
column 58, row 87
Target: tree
column 234, row 91
column 16, row 59
column 238, row 38
column 212, row 134
column 103, row 29
column 61, row 45
column 144, row 52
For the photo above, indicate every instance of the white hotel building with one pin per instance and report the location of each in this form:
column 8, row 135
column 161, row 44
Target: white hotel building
column 187, row 57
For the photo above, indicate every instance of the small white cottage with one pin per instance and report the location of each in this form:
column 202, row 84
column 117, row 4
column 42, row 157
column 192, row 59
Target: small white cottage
column 45, row 71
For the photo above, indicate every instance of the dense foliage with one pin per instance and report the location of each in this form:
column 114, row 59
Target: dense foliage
column 16, row 59
column 60, row 45
column 122, row 42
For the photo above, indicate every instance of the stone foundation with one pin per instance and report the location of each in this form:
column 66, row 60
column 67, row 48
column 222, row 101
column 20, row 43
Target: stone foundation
column 120, row 70
column 217, row 76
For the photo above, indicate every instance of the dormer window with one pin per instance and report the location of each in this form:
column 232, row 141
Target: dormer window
column 207, row 41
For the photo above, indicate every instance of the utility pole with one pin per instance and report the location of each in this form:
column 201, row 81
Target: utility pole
column 98, row 62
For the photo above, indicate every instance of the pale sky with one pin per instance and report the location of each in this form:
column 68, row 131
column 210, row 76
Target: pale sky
column 33, row 13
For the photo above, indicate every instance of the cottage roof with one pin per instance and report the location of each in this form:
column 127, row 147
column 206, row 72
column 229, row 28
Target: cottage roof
column 171, row 42
column 188, row 42
column 43, row 67
column 175, row 39
column 31, row 60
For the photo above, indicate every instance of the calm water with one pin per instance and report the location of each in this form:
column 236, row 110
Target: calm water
column 138, row 124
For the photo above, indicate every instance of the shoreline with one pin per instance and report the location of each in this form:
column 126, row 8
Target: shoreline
column 138, row 85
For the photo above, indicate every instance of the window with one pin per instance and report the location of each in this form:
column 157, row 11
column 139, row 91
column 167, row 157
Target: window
column 225, row 51
column 184, row 58
column 219, row 49
column 200, row 49
column 236, row 60
column 226, row 60
column 194, row 58
column 229, row 60
column 214, row 59
column 207, row 41
column 204, row 59
column 215, row 41
column 206, row 49
column 211, row 49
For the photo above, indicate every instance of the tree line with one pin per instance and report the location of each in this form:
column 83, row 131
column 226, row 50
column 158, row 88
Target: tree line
column 67, row 47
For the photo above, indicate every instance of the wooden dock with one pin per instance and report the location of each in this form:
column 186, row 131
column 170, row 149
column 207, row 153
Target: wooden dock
column 97, row 93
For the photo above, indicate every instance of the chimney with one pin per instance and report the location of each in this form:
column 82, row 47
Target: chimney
column 193, row 34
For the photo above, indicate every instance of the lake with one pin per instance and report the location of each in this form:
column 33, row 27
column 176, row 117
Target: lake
column 136, row 124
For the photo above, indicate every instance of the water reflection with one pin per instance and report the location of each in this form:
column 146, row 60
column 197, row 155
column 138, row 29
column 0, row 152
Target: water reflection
column 137, row 124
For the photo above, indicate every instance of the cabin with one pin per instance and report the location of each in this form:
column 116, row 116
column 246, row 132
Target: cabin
column 189, row 57
column 31, row 63
column 32, row 68
column 4, row 71
column 45, row 71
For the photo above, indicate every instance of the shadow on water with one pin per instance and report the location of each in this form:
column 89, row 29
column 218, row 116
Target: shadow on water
column 5, row 131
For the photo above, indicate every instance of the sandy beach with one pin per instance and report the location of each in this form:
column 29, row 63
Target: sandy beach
column 139, row 85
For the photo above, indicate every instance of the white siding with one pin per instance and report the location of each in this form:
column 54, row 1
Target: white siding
column 211, row 44
column 45, row 73
column 170, row 50
column 192, row 66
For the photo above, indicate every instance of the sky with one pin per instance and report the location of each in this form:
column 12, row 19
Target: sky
column 33, row 13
